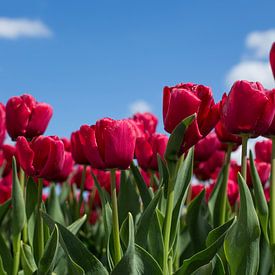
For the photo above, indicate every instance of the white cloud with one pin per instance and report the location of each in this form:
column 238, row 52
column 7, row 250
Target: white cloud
column 140, row 106
column 253, row 71
column 21, row 27
column 260, row 42
column 257, row 67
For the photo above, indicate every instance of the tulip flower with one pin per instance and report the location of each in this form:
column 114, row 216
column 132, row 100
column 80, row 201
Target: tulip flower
column 67, row 144
column 2, row 124
column 109, row 144
column 184, row 100
column 147, row 120
column 5, row 192
column 26, row 117
column 196, row 189
column 232, row 192
column 6, row 153
column 206, row 147
column 248, row 109
column 263, row 150
column 226, row 137
column 43, row 157
column 263, row 170
column 77, row 177
column 78, row 149
column 147, row 150
column 272, row 59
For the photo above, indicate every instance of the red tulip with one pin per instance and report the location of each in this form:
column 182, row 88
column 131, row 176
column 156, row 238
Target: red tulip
column 109, row 144
column 148, row 120
column 226, row 137
column 184, row 100
column 66, row 169
column 206, row 147
column 77, row 178
column 43, row 157
column 248, row 109
column 147, row 150
column 196, row 189
column 267, row 193
column 77, row 148
column 6, row 154
column 263, row 150
column 67, row 144
column 26, row 117
column 272, row 59
column 232, row 192
column 93, row 217
column 2, row 124
column 5, row 188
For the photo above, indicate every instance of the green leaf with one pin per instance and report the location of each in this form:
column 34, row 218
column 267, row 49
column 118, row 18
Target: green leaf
column 205, row 256
column 182, row 183
column 242, row 241
column 197, row 221
column 128, row 199
column 47, row 261
column 75, row 226
column 145, row 221
column 135, row 260
column 18, row 205
column 65, row 191
column 31, row 197
column 265, row 266
column 2, row 270
column 163, row 173
column 260, row 200
column 4, row 208
column 176, row 138
column 76, row 250
column 53, row 206
column 142, row 187
column 27, row 259
column 5, row 255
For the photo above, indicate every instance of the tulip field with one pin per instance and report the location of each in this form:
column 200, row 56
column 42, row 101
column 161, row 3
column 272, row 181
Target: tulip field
column 116, row 197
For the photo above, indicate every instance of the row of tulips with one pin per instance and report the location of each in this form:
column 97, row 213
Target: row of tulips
column 118, row 198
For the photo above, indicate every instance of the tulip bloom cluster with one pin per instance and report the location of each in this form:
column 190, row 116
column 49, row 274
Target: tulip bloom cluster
column 139, row 201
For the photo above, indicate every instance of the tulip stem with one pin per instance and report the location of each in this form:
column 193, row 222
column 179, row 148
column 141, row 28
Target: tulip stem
column 16, row 253
column 244, row 155
column 167, row 225
column 83, row 178
column 224, row 184
column 22, row 183
column 115, row 217
column 272, row 199
column 40, row 220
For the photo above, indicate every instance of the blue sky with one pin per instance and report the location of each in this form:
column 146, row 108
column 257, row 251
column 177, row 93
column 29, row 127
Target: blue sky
column 91, row 59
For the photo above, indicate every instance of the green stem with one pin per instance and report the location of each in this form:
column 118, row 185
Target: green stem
column 83, row 178
column 115, row 217
column 244, row 155
column 224, row 184
column 272, row 200
column 167, row 225
column 22, row 183
column 16, row 253
column 40, row 220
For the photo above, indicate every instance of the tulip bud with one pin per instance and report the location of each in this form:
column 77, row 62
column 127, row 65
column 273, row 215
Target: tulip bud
column 78, row 149
column 272, row 59
column 2, row 124
column 263, row 150
column 147, row 150
column 26, row 117
column 248, row 109
column 43, row 157
column 263, row 170
column 183, row 100
column 6, row 154
column 109, row 144
column 148, row 120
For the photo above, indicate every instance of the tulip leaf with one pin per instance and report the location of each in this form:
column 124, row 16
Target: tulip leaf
column 5, row 255
column 265, row 266
column 142, row 187
column 197, row 221
column 65, row 191
column 75, row 226
column 18, row 205
column 2, row 270
column 203, row 257
column 164, row 174
column 260, row 200
column 47, row 261
column 174, row 144
column 135, row 260
column 53, row 206
column 4, row 208
column 27, row 259
column 145, row 221
column 128, row 199
column 76, row 250
column 31, row 196
column 242, row 241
